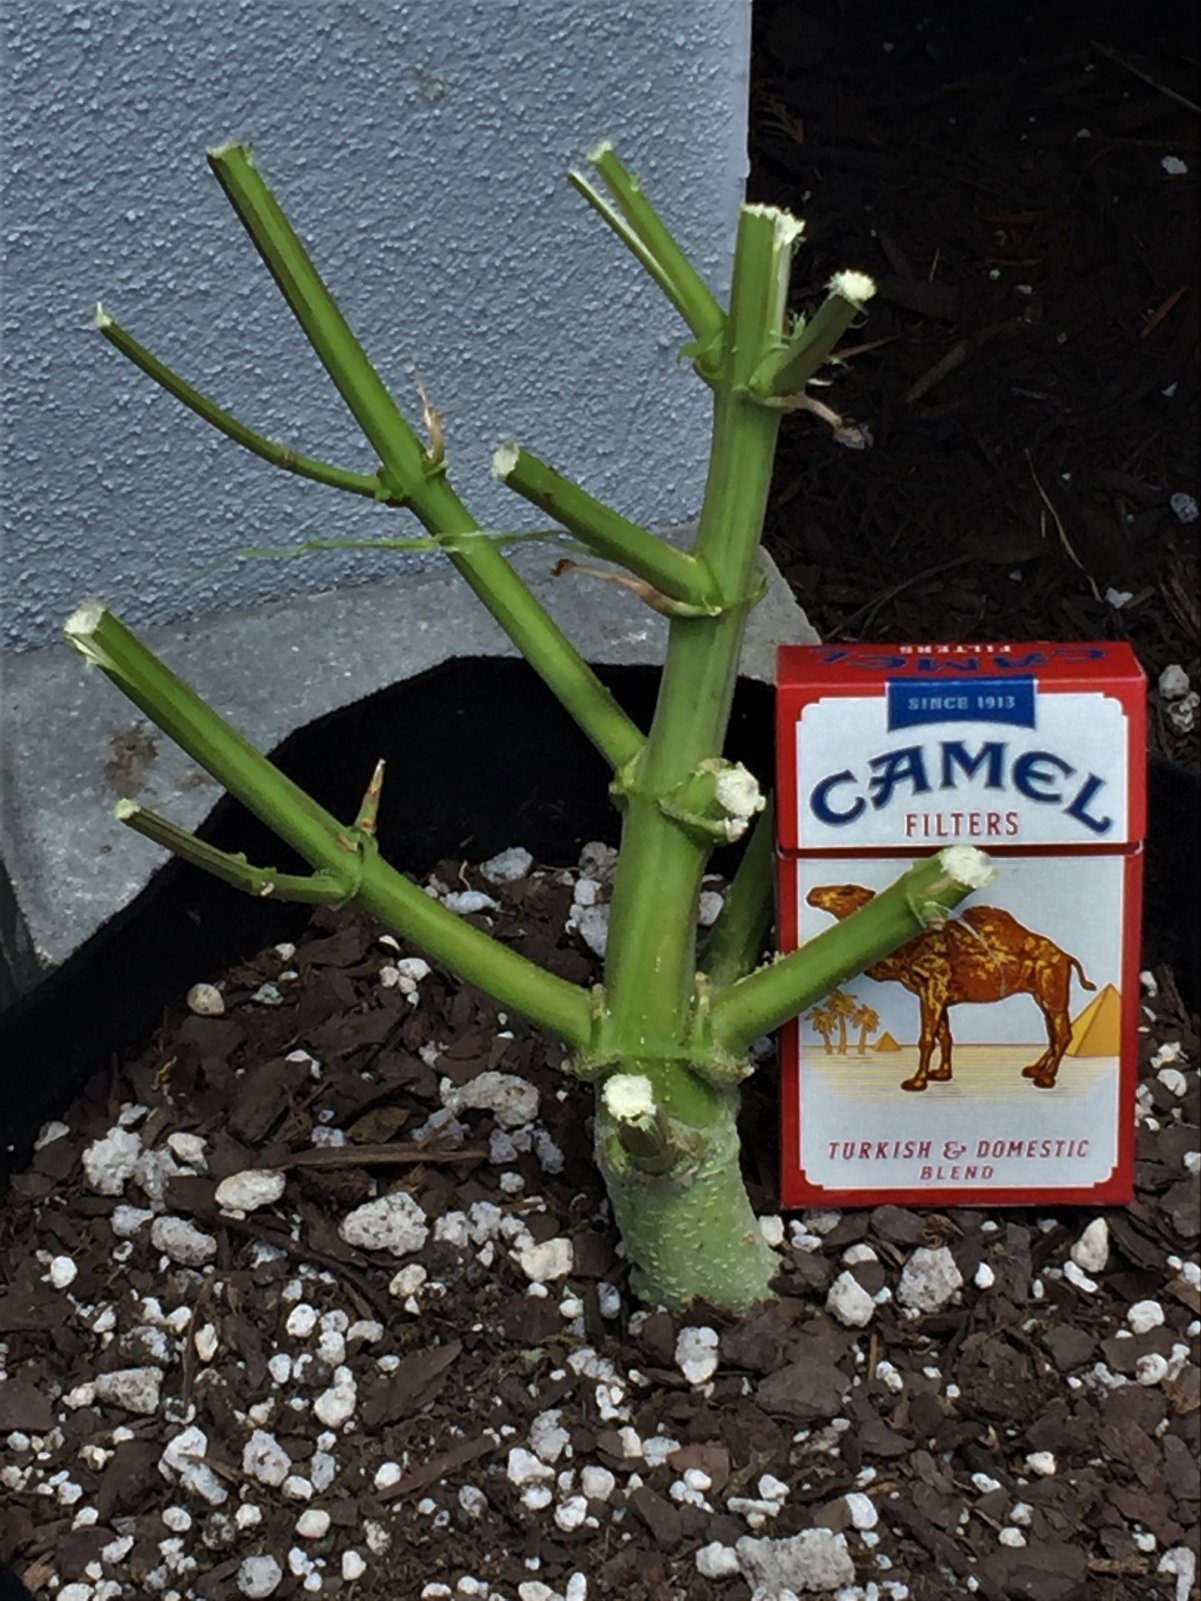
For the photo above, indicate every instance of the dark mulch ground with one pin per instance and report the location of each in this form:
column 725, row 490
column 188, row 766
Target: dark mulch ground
column 1029, row 368
column 470, row 1430
column 453, row 1419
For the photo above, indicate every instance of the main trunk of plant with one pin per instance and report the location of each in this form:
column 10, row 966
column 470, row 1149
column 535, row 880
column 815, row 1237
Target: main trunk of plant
column 689, row 1232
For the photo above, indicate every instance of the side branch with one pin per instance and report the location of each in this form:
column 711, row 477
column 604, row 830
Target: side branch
column 672, row 572
column 743, row 926
column 788, row 370
column 640, row 228
column 406, row 462
column 343, row 853
column 919, row 899
column 317, row 889
column 278, row 455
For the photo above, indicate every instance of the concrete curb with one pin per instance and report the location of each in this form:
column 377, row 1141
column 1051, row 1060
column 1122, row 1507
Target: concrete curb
column 74, row 745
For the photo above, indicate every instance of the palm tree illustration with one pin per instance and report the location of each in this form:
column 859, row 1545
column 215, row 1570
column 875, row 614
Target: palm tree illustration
column 866, row 1021
column 823, row 1020
column 843, row 1006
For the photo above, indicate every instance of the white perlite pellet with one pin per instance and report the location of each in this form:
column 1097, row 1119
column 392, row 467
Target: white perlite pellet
column 717, row 1561
column 182, row 1241
column 849, row 1302
column 313, row 1523
column 546, row 1262
column 697, row 1353
column 264, row 1459
column 1181, row 1563
column 507, row 866
column 394, row 1223
column 523, row 1468
column 132, row 1389
column 190, row 1149
column 109, row 1161
column 1144, row 1316
column 1077, row 1276
column 1152, row 1368
column 1090, row 1253
column 335, row 1406
column 259, row 1576
column 1043, row 1464
column 597, row 1483
column 182, row 1462
column 929, row 1279
column 464, row 901
column 61, row 1272
column 815, row 1559
column 512, row 1101
column 863, row 1511
column 127, row 1220
column 248, row 1190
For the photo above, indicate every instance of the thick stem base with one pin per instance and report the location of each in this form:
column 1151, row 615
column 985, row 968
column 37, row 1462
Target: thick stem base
column 690, row 1232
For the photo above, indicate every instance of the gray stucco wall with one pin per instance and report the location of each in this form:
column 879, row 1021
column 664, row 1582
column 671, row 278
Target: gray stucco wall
column 420, row 150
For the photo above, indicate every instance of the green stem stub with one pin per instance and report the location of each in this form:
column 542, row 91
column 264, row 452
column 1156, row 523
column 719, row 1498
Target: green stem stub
column 716, row 802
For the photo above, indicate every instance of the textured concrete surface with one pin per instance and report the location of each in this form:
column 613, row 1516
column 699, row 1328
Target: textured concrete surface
column 74, row 745
column 420, row 149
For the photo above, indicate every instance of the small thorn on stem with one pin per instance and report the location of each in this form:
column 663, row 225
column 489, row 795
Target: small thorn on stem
column 369, row 808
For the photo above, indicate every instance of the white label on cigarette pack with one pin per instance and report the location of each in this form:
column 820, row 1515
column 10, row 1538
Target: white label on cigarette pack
column 984, row 1053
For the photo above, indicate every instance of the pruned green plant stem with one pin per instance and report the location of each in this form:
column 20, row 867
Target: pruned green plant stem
column 409, row 471
column 640, row 228
column 675, row 573
column 225, row 422
column 344, row 852
column 655, row 934
column 920, row 898
column 665, row 1044
column 788, row 370
column 689, row 1234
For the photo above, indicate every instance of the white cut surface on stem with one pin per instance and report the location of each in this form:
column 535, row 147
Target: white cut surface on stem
column 629, row 1097
column 856, row 287
column 788, row 229
column 738, row 792
column 967, row 865
column 504, row 459
column 80, row 628
column 103, row 320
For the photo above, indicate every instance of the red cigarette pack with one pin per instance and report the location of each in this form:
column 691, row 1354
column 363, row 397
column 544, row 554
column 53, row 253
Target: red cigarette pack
column 991, row 1060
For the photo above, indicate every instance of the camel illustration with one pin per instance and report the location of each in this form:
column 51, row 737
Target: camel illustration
column 982, row 955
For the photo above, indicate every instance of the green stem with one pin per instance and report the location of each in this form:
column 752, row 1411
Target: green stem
column 413, row 473
column 278, row 455
column 787, row 371
column 690, row 1233
column 920, row 898
column 643, row 232
column 743, row 927
column 344, row 852
column 651, row 962
column 405, row 460
column 673, row 572
column 318, row 889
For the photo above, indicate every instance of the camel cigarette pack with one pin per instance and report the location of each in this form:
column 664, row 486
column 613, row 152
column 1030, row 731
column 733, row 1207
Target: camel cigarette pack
column 992, row 1059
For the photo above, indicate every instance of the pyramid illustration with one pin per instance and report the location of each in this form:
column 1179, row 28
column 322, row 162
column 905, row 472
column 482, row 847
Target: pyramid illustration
column 885, row 1043
column 1098, row 1029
